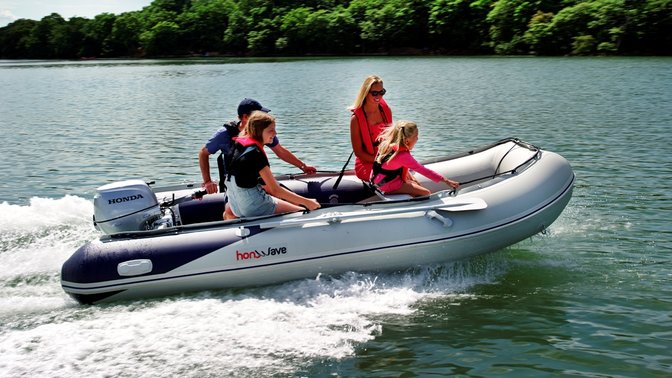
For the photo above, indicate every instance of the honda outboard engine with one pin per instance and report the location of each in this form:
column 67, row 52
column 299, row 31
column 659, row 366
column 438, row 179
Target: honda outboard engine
column 125, row 206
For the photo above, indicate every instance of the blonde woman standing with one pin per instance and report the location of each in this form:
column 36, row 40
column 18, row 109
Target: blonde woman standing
column 394, row 160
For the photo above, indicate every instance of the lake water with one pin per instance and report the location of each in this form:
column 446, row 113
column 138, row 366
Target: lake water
column 590, row 297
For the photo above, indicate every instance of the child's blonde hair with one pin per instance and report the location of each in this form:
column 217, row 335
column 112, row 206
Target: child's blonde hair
column 395, row 135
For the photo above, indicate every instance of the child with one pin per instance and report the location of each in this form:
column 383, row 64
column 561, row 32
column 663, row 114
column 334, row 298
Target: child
column 394, row 160
column 251, row 187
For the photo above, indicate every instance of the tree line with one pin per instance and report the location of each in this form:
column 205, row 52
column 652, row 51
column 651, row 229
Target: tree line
column 346, row 27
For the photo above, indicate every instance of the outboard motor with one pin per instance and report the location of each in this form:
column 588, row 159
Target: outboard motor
column 125, row 206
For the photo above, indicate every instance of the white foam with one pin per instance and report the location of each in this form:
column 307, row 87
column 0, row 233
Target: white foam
column 278, row 330
column 37, row 238
column 44, row 212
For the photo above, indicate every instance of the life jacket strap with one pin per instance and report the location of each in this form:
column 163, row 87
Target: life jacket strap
column 388, row 174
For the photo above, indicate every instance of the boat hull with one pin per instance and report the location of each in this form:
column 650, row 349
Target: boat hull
column 382, row 236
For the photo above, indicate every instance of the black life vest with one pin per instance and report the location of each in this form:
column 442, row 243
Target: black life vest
column 233, row 131
column 388, row 174
column 241, row 147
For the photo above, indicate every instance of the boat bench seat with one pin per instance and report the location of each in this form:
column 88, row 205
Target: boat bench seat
column 393, row 197
column 208, row 209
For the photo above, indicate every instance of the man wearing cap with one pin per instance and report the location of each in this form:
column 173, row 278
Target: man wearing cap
column 221, row 140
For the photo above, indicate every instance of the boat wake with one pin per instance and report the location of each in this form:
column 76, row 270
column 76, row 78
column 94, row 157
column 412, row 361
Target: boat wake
column 271, row 330
column 35, row 239
column 40, row 236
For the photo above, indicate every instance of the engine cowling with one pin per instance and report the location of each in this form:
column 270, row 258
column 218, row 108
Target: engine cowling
column 125, row 206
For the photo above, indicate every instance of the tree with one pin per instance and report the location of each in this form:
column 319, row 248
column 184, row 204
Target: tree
column 295, row 31
column 39, row 43
column 508, row 21
column 342, row 32
column 261, row 40
column 14, row 39
column 389, row 24
column 97, row 34
column 161, row 39
column 539, row 34
column 581, row 28
column 170, row 6
column 204, row 24
column 124, row 39
column 457, row 25
column 649, row 27
column 262, row 27
column 67, row 38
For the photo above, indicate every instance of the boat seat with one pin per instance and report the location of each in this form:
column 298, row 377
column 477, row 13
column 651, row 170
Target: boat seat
column 210, row 208
column 393, row 197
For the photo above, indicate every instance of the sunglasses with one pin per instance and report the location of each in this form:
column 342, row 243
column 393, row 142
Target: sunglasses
column 378, row 93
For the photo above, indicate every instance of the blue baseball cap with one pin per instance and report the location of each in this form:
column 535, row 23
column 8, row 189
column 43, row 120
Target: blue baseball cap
column 249, row 105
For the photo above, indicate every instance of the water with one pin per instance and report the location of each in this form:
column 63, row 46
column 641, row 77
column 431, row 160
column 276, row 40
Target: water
column 591, row 297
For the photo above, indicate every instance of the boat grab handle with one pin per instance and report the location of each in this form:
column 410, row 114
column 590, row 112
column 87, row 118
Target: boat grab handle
column 431, row 214
column 134, row 267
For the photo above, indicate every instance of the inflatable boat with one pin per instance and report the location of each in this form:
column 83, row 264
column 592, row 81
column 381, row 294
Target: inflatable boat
column 166, row 240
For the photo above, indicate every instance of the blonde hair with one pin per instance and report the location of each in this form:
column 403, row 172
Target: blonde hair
column 364, row 90
column 395, row 135
column 256, row 125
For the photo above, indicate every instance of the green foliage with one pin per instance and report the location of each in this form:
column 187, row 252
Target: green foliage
column 458, row 25
column 169, row 6
column 124, row 39
column 15, row 37
column 539, row 36
column 602, row 20
column 293, row 25
column 261, row 40
column 161, row 39
column 204, row 25
column 650, row 28
column 298, row 27
column 96, row 34
column 584, row 45
column 508, row 21
column 343, row 32
column 386, row 24
column 236, row 32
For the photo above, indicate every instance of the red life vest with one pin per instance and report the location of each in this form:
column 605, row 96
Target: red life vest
column 362, row 169
column 246, row 141
column 364, row 125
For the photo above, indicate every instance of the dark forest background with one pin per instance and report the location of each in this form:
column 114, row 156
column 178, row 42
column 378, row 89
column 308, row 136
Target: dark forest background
column 349, row 27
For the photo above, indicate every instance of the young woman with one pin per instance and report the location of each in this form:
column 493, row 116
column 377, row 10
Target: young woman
column 370, row 115
column 394, row 160
column 251, row 187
